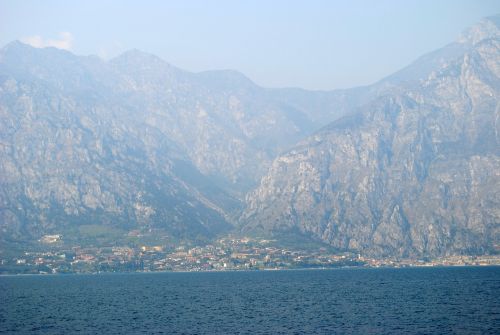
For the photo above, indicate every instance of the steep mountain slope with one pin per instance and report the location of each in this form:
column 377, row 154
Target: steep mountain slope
column 229, row 127
column 416, row 171
column 69, row 159
column 136, row 142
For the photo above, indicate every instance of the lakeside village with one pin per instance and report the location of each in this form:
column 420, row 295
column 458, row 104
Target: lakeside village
column 227, row 254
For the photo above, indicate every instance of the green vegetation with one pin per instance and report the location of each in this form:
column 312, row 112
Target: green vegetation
column 99, row 231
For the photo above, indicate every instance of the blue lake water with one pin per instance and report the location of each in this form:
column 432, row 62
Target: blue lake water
column 464, row 300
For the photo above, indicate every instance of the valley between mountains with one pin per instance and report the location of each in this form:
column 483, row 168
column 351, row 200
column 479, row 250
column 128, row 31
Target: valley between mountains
column 98, row 151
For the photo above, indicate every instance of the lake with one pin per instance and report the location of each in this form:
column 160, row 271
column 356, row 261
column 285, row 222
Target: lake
column 445, row 300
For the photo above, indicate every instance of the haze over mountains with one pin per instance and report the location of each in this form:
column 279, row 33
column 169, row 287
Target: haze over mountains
column 416, row 171
column 407, row 166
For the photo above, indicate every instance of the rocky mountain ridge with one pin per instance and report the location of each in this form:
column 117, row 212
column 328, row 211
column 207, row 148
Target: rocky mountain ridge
column 407, row 166
column 415, row 172
column 136, row 142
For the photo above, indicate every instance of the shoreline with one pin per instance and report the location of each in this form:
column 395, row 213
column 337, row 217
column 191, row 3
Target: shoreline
column 253, row 271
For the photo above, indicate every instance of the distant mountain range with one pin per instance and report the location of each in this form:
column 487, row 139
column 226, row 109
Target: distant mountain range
column 407, row 166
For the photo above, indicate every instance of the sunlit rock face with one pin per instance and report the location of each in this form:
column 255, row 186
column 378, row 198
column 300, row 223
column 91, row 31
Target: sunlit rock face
column 413, row 172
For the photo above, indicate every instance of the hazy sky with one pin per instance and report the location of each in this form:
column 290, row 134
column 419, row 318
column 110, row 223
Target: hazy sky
column 312, row 44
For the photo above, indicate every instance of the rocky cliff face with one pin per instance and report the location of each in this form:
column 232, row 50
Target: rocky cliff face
column 135, row 142
column 70, row 154
column 415, row 171
column 409, row 167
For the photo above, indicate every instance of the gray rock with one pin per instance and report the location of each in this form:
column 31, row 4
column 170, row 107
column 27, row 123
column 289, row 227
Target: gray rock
column 414, row 172
column 136, row 142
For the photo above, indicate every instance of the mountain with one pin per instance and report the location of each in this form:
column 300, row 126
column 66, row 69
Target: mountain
column 70, row 154
column 414, row 171
column 136, row 143
column 406, row 166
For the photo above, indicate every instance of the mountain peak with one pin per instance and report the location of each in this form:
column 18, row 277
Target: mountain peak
column 135, row 53
column 485, row 29
column 137, row 57
column 137, row 61
column 15, row 44
column 16, row 47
